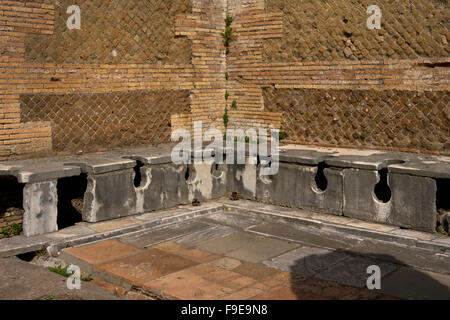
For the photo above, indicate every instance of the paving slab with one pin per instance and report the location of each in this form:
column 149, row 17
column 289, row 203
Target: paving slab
column 244, row 294
column 192, row 254
column 306, row 261
column 404, row 254
column 229, row 248
column 102, row 251
column 20, row 280
column 145, row 266
column 21, row 244
column 283, row 293
column 319, row 290
column 114, row 224
column 71, row 232
column 228, row 243
column 353, row 271
column 262, row 248
column 408, row 283
column 226, row 263
column 256, row 271
column 232, row 219
column 211, row 233
column 317, row 237
column 198, row 283
column 415, row 234
column 170, row 232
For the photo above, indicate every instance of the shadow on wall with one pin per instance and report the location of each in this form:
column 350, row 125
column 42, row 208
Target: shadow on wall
column 325, row 274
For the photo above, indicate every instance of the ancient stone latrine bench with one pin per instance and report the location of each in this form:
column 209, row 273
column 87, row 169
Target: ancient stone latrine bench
column 38, row 181
column 400, row 189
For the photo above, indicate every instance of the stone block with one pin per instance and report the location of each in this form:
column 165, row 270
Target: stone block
column 242, row 178
column 360, row 201
column 163, row 186
column 40, row 202
column 109, row 196
column 295, row 186
column 208, row 181
column 281, row 189
column 413, row 202
column 311, row 197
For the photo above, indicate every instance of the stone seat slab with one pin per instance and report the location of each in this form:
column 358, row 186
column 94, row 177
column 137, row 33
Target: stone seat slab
column 100, row 163
column 375, row 162
column 305, row 157
column 425, row 168
column 38, row 170
column 149, row 156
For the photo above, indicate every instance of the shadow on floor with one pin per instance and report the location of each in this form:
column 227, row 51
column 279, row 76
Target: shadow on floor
column 322, row 273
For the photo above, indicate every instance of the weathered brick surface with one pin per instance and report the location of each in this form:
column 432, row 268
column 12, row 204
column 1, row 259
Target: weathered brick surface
column 316, row 30
column 388, row 118
column 140, row 31
column 251, row 27
column 39, row 56
column 101, row 120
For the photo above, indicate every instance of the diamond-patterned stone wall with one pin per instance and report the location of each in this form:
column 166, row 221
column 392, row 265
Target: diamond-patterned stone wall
column 388, row 118
column 317, row 30
column 127, row 49
column 114, row 32
column 89, row 121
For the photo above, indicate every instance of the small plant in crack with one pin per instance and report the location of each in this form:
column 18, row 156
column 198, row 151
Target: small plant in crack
column 227, row 95
column 283, row 134
column 11, row 231
column 227, row 35
column 225, row 118
column 234, row 104
column 227, row 75
column 63, row 272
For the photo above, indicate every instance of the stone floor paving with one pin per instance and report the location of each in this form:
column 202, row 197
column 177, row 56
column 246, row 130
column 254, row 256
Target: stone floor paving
column 219, row 258
column 224, row 250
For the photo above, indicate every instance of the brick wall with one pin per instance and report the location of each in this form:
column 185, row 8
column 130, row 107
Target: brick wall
column 125, row 65
column 291, row 64
column 114, row 32
column 349, row 117
column 92, row 121
column 316, row 30
column 338, row 83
